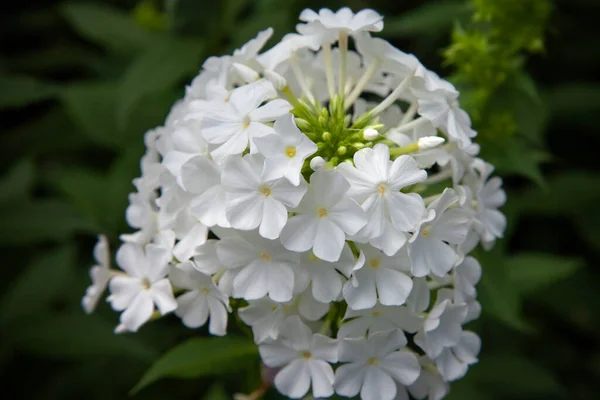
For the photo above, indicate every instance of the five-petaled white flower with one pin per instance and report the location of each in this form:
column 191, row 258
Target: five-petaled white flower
column 243, row 118
column 304, row 358
column 254, row 200
column 325, row 216
column 144, row 285
column 430, row 246
column 201, row 299
column 375, row 183
column 285, row 151
column 374, row 365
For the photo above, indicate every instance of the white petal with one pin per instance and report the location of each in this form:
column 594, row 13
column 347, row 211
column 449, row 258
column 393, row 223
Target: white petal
column 402, row 366
column 349, row 379
column 362, row 296
column 139, row 311
column 378, row 385
column 274, row 217
column 162, row 294
column 276, row 355
column 348, row 215
column 393, row 287
column 218, row 317
column 299, row 233
column 322, row 378
column 328, row 241
column 294, row 380
column 405, row 210
column 271, row 110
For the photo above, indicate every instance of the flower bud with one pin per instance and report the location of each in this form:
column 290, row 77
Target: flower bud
column 370, row 134
column 278, row 81
column 246, row 73
column 317, row 163
column 326, row 136
column 429, row 142
column 341, row 150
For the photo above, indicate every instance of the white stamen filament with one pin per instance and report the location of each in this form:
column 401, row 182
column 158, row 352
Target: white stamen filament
column 329, row 69
column 388, row 101
column 301, row 79
column 360, row 85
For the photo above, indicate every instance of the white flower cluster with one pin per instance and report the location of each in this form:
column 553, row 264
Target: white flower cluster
column 328, row 196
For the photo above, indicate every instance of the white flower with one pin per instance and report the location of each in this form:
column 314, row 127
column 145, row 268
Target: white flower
column 323, row 277
column 466, row 276
column 243, row 118
column 254, row 200
column 442, row 327
column 201, row 300
column 345, row 20
column 442, row 109
column 453, row 362
column 375, row 184
column 430, row 246
column 388, row 58
column 304, row 358
column 374, row 366
column 491, row 223
column 266, row 316
column 430, row 385
column 144, row 286
column 264, row 266
column 202, row 177
column 324, row 217
column 380, row 277
column 285, row 151
column 378, row 319
column 100, row 274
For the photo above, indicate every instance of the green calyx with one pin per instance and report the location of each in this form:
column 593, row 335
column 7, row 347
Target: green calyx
column 332, row 130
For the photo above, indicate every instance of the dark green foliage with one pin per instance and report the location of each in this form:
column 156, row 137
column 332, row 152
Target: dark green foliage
column 80, row 83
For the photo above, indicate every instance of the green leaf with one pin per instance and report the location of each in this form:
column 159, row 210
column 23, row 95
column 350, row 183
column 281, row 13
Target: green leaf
column 532, row 271
column 216, row 392
column 514, row 375
column 78, row 336
column 573, row 101
column 157, row 69
column 513, row 156
column 202, row 357
column 18, row 182
column 19, row 91
column 567, row 194
column 92, row 107
column 429, row 19
column 42, row 220
column 497, row 293
column 107, row 26
column 38, row 285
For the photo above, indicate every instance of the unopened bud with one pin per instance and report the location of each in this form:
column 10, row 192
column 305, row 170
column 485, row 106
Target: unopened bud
column 358, row 145
column 326, row 136
column 429, row 142
column 303, row 124
column 317, row 163
column 370, row 134
column 277, row 80
column 246, row 73
column 322, row 120
column 341, row 150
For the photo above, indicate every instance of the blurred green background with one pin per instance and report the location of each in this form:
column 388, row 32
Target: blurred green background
column 80, row 82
